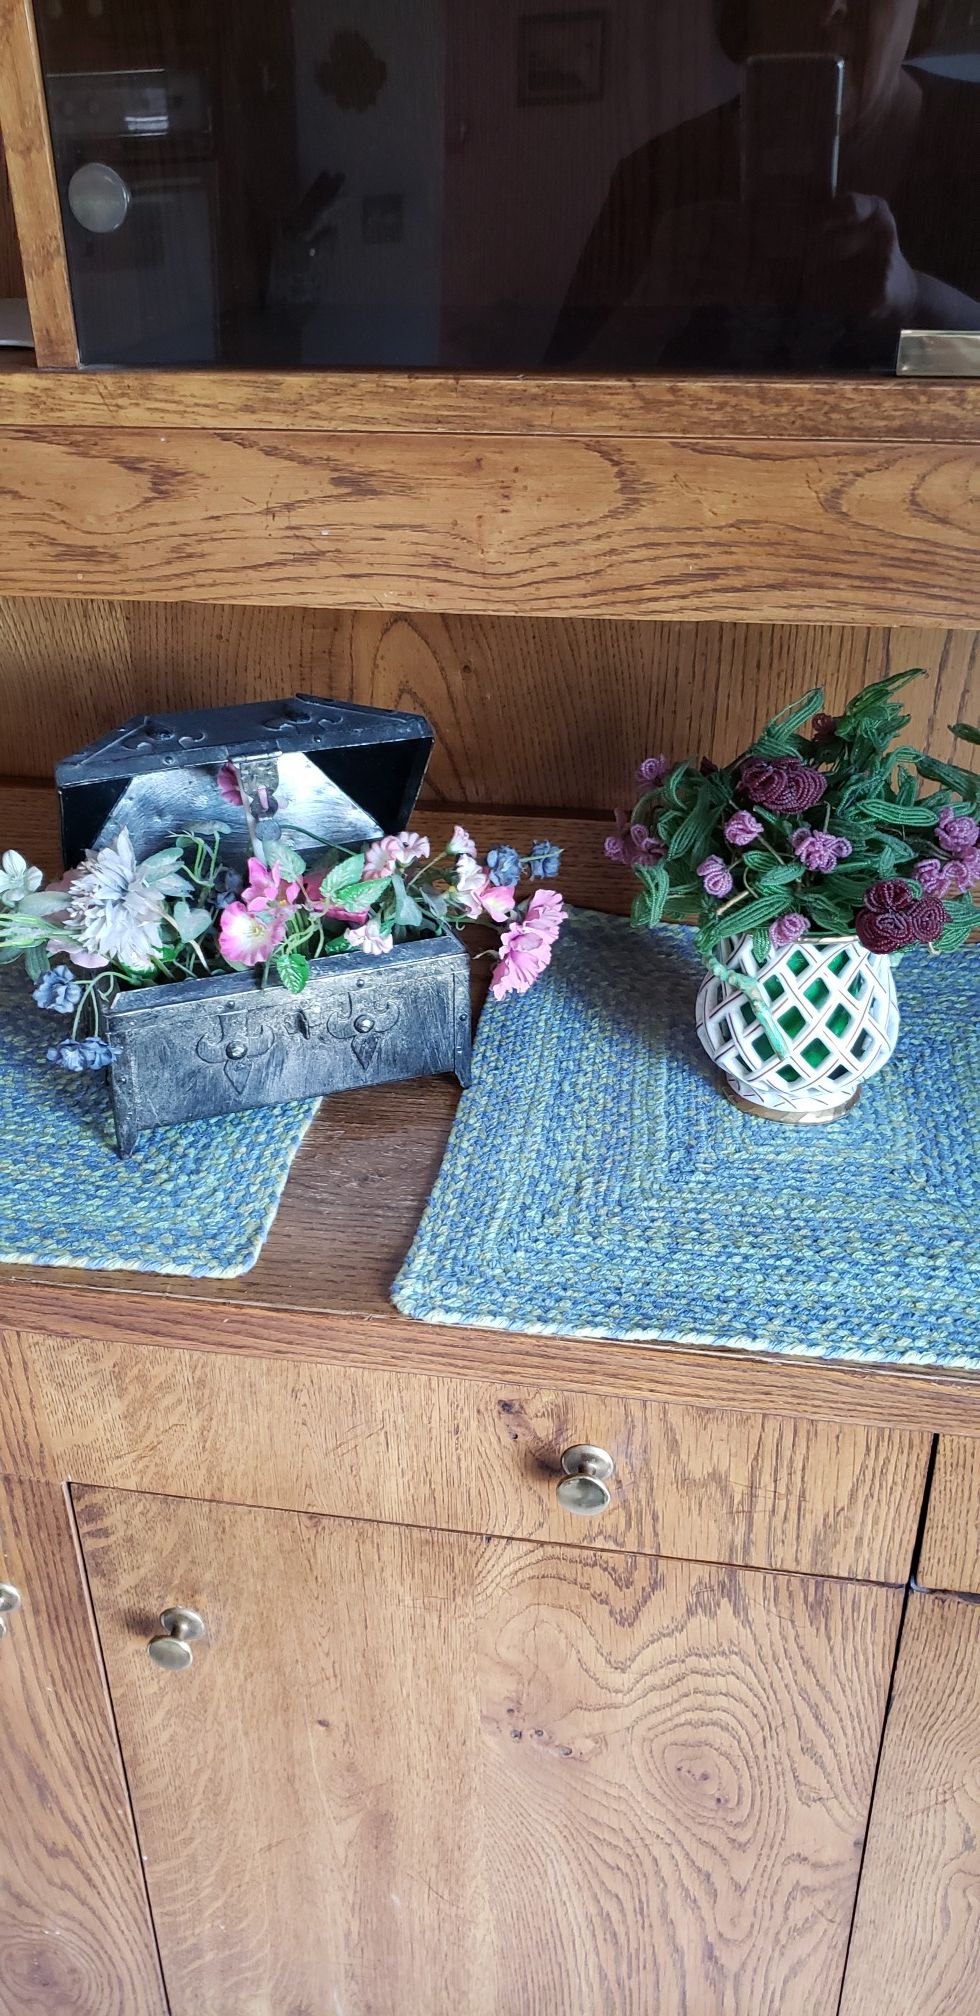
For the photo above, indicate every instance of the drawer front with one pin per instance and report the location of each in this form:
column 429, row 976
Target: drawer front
column 951, row 1544
column 468, row 1456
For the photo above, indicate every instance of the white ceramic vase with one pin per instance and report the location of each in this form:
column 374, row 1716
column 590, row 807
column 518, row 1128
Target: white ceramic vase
column 836, row 1010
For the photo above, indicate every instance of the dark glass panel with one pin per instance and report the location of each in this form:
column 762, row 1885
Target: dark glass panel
column 732, row 185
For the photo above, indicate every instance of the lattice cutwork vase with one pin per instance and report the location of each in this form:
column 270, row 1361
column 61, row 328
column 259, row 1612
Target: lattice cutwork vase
column 836, row 1007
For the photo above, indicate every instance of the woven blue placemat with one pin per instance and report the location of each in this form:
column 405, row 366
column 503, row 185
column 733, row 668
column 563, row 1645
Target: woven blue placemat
column 597, row 1184
column 191, row 1200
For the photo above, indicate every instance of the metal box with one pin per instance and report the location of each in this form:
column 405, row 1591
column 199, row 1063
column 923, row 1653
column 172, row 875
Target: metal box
column 193, row 1048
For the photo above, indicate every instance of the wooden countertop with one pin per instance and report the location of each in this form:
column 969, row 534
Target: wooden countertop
column 358, row 1188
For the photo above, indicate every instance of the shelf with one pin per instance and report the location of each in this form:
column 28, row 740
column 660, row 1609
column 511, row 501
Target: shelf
column 730, row 499
column 545, row 405
column 354, row 1198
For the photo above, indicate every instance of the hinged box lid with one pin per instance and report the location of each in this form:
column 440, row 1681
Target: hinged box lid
column 309, row 766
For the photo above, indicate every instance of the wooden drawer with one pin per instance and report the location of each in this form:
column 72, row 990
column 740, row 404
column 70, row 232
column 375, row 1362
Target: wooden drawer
column 951, row 1544
column 467, row 1456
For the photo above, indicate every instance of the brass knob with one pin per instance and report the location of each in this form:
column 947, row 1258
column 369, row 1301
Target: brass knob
column 172, row 1649
column 9, row 1600
column 583, row 1488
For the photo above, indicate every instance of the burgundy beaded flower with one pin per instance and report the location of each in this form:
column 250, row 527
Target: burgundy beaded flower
column 822, row 727
column 892, row 895
column 785, row 786
column 893, row 917
column 885, row 930
column 929, row 917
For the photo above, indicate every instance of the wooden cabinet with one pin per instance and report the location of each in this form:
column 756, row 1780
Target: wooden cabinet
column 75, row 1936
column 917, row 1931
column 435, row 1772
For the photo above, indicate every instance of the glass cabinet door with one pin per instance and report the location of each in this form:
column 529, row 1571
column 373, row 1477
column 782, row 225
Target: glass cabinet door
column 640, row 186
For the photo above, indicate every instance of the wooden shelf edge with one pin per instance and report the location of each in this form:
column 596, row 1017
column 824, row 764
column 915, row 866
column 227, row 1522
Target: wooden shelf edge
column 710, row 409
column 648, row 527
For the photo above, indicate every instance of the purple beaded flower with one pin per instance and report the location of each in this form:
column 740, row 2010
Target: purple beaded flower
column 959, row 835
column 936, row 878
column 742, row 828
column 653, row 770
column 965, row 872
column 630, row 844
column 820, row 852
column 785, row 786
column 716, row 877
column 786, row 930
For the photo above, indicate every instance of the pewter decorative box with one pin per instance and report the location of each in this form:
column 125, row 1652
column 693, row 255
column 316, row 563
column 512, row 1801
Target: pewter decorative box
column 200, row 1047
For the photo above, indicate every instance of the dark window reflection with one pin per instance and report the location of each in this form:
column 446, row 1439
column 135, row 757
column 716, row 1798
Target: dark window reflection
column 482, row 184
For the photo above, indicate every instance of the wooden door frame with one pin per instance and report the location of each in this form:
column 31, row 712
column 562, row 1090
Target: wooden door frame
column 34, row 188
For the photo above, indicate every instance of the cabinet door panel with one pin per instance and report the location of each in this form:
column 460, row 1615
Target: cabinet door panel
column 917, row 1932
column 951, row 1543
column 439, row 1774
column 75, row 1934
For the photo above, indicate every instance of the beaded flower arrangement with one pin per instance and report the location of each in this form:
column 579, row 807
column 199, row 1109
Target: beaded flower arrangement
column 820, row 827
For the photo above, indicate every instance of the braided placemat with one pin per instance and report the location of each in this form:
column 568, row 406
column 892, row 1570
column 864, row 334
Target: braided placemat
column 191, row 1200
column 597, row 1184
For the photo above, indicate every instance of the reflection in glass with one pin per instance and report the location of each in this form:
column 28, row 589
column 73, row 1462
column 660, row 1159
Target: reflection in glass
column 737, row 185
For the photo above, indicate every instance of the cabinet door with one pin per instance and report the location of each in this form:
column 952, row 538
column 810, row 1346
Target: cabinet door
column 451, row 1776
column 950, row 1556
column 917, row 1933
column 75, row 1933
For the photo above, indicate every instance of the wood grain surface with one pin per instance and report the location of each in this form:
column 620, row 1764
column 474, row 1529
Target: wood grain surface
column 362, row 1176
column 526, row 711
column 30, row 167
column 631, row 527
column 950, row 1557
column 75, row 1937
column 916, row 1944
column 461, row 1454
column 437, row 1774
column 11, row 266
column 385, row 402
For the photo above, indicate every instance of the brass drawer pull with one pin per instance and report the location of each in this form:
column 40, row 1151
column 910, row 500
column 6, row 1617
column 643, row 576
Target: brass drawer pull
column 583, row 1488
column 172, row 1649
column 9, row 1600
